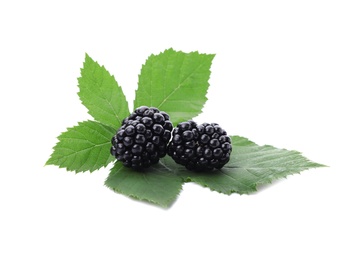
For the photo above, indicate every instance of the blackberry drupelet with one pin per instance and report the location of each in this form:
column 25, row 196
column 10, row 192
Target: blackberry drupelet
column 200, row 147
column 143, row 137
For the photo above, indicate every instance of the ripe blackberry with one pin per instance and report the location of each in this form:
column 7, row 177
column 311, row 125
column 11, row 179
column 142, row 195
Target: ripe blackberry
column 143, row 137
column 200, row 147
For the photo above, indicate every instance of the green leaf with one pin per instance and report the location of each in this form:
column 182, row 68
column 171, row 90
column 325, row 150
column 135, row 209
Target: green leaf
column 175, row 82
column 101, row 95
column 158, row 184
column 85, row 147
column 251, row 165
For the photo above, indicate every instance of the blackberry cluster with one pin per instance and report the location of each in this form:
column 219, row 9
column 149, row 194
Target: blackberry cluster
column 143, row 137
column 200, row 147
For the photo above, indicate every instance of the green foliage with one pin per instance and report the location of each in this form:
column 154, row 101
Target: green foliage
column 175, row 82
column 250, row 166
column 100, row 93
column 158, row 185
column 85, row 147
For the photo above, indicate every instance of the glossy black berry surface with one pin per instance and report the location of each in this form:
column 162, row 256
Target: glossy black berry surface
column 143, row 138
column 200, row 147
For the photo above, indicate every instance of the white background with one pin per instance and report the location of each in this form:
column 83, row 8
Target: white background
column 278, row 78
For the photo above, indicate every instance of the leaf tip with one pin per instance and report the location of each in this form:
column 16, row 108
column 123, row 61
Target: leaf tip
column 86, row 56
column 46, row 163
column 87, row 61
column 320, row 165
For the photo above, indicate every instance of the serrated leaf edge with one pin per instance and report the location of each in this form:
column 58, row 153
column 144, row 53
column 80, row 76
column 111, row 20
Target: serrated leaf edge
column 162, row 52
column 47, row 163
column 168, row 202
column 262, row 180
column 106, row 100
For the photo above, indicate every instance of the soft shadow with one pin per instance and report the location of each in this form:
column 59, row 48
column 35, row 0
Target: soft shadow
column 153, row 205
column 265, row 186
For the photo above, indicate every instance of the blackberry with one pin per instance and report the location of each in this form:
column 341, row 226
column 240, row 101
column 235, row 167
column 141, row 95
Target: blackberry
column 200, row 147
column 143, row 137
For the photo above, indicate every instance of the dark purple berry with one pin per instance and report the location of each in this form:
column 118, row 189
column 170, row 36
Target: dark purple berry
column 205, row 138
column 209, row 130
column 187, row 135
column 214, row 143
column 177, row 139
column 140, row 139
column 156, row 140
column 139, row 111
column 158, row 129
column 148, row 134
column 158, row 118
column 143, row 138
column 168, row 125
column 137, row 149
column 208, row 153
column 128, row 141
column 113, row 151
column 147, row 121
column 166, row 116
column 184, row 126
column 217, row 153
column 140, row 128
column 150, row 147
column 129, row 130
column 166, row 136
column 200, row 147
